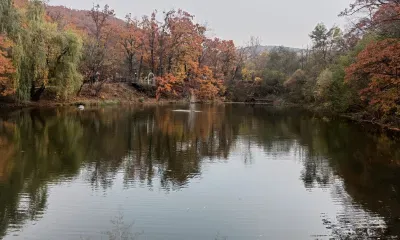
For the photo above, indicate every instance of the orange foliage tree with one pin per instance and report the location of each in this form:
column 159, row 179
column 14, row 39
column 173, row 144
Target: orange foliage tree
column 173, row 48
column 219, row 55
column 204, row 85
column 376, row 72
column 133, row 43
column 169, row 87
column 150, row 28
column 185, row 60
column 6, row 68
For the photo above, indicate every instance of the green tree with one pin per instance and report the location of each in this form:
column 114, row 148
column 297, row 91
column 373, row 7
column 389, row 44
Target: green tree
column 45, row 56
column 327, row 43
column 9, row 18
column 295, row 85
column 283, row 60
column 323, row 84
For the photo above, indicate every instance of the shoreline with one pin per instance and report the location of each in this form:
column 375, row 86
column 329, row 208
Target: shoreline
column 85, row 102
column 13, row 106
column 350, row 117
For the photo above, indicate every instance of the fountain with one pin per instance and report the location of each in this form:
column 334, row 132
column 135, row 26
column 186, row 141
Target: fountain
column 192, row 105
column 192, row 97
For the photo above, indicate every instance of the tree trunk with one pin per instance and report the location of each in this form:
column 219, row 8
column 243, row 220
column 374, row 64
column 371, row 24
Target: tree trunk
column 80, row 89
column 36, row 94
column 160, row 71
column 152, row 56
column 234, row 73
column 161, row 67
column 131, row 73
column 100, row 86
column 140, row 69
column 169, row 64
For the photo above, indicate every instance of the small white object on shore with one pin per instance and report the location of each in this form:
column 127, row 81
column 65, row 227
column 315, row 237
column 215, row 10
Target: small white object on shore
column 81, row 107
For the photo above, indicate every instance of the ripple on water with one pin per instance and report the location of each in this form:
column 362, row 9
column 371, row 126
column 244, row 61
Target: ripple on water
column 235, row 171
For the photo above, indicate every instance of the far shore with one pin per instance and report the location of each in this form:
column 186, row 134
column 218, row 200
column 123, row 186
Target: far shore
column 6, row 107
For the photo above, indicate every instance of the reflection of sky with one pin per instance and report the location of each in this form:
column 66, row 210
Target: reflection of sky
column 265, row 199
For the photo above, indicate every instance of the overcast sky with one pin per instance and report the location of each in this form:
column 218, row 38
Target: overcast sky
column 276, row 22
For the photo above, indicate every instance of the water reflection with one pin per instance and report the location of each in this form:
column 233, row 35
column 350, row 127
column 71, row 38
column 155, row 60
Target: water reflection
column 39, row 148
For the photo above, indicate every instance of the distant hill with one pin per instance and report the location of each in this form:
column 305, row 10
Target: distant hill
column 78, row 18
column 269, row 48
column 82, row 21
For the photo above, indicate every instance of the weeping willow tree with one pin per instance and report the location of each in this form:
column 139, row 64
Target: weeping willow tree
column 9, row 28
column 9, row 18
column 43, row 55
column 63, row 69
column 48, row 56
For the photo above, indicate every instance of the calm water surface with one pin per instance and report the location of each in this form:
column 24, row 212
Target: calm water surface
column 222, row 171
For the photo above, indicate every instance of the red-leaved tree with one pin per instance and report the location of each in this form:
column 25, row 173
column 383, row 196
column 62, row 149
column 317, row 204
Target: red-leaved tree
column 376, row 73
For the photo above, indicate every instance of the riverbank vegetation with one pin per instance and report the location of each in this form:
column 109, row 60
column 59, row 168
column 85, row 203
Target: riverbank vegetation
column 59, row 53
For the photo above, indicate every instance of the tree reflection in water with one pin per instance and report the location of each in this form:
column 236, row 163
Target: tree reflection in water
column 41, row 147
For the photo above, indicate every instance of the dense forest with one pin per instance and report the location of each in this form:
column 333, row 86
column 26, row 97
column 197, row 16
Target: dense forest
column 54, row 49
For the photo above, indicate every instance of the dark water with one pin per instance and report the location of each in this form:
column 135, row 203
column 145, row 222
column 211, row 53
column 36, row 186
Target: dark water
column 229, row 171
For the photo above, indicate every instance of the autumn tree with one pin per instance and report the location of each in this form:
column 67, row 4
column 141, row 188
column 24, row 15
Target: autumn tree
column 43, row 56
column 386, row 20
column 133, row 43
column 361, row 5
column 376, row 74
column 206, row 87
column 97, row 53
column 372, row 15
column 240, row 59
column 188, row 63
column 7, row 84
column 169, row 86
column 179, row 43
column 151, row 30
column 47, row 49
column 220, row 56
column 9, row 26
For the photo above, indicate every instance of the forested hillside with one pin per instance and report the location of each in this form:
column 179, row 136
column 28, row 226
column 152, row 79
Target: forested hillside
column 52, row 48
column 353, row 71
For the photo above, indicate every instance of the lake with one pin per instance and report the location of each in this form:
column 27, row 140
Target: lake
column 213, row 172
